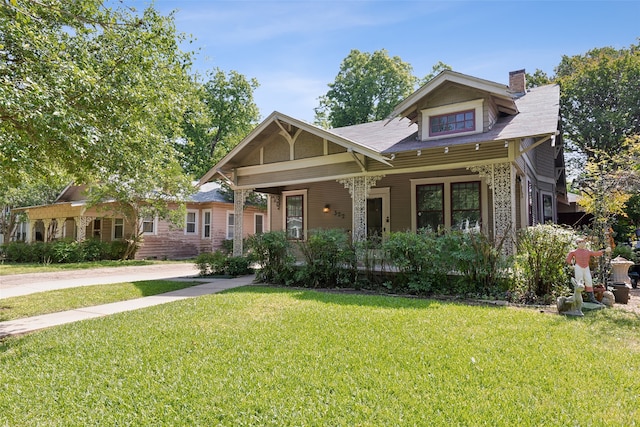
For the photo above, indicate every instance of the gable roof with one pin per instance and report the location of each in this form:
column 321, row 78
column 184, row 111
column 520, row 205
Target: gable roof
column 501, row 94
column 539, row 110
column 251, row 142
column 533, row 114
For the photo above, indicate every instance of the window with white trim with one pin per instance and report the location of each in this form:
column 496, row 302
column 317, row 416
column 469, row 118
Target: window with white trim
column 149, row 225
column 231, row 224
column 452, row 120
column 258, row 223
column 206, row 224
column 295, row 214
column 191, row 222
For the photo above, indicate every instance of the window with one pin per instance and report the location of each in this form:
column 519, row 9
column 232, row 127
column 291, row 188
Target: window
column 465, row 205
column 547, row 208
column 452, row 120
column 97, row 227
column 461, row 121
column 295, row 216
column 148, row 225
column 430, row 206
column 206, row 224
column 21, row 231
column 452, row 202
column 231, row 225
column 118, row 228
column 258, row 224
column 192, row 220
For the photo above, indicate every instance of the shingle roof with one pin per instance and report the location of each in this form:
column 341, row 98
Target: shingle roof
column 539, row 110
column 208, row 192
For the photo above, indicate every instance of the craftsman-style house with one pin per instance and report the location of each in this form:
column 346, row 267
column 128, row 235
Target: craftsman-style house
column 210, row 220
column 460, row 152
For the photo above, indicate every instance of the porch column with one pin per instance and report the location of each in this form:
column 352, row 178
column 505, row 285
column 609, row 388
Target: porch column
column 47, row 237
column 359, row 187
column 60, row 227
column 499, row 177
column 81, row 225
column 239, row 197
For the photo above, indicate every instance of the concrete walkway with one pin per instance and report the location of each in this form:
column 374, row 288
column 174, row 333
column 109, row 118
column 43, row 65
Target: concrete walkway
column 30, row 324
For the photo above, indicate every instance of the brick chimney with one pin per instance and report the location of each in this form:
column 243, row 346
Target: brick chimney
column 517, row 81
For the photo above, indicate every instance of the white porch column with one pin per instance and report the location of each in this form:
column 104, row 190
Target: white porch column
column 239, row 197
column 59, row 227
column 81, row 226
column 500, row 178
column 47, row 237
column 359, row 187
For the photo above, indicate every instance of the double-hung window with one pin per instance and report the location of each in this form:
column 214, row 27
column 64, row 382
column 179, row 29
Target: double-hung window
column 430, row 206
column 118, row 228
column 452, row 203
column 206, row 224
column 465, row 205
column 192, row 220
column 148, row 225
column 231, row 224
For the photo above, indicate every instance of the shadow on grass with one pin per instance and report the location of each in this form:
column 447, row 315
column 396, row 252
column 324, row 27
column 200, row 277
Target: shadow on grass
column 360, row 297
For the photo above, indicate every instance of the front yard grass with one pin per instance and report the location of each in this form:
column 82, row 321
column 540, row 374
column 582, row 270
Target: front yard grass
column 83, row 296
column 275, row 357
column 7, row 268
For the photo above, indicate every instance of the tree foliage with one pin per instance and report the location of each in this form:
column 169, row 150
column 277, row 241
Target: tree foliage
column 229, row 114
column 600, row 99
column 366, row 89
column 435, row 70
column 88, row 92
column 538, row 78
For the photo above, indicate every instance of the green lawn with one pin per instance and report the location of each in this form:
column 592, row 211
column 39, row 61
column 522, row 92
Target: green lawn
column 265, row 356
column 83, row 296
column 14, row 268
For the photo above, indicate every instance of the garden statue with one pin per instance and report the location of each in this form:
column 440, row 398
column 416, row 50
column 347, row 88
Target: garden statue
column 572, row 306
column 608, row 299
column 581, row 257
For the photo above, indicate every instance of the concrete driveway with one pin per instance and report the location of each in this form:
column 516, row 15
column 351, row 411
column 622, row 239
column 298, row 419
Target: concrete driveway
column 24, row 284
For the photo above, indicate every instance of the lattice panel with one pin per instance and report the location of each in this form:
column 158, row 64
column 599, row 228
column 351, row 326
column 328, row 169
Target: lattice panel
column 359, row 189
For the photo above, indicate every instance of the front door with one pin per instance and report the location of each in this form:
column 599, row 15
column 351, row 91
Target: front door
column 378, row 220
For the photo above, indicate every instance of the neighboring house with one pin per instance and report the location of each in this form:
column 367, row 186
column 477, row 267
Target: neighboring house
column 460, row 152
column 210, row 220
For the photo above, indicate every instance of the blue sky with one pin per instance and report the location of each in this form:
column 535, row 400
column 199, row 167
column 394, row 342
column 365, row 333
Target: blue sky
column 294, row 48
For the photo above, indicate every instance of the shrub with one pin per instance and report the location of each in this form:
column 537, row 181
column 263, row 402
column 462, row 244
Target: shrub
column 65, row 251
column 211, row 263
column 417, row 258
column 540, row 266
column 237, row 266
column 218, row 263
column 625, row 252
column 272, row 251
column 330, row 259
column 94, row 250
column 483, row 267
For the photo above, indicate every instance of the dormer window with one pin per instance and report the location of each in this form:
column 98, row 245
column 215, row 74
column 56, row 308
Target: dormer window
column 460, row 121
column 452, row 120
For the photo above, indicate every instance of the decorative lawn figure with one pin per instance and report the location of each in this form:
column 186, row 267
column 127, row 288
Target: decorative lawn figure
column 572, row 306
column 581, row 257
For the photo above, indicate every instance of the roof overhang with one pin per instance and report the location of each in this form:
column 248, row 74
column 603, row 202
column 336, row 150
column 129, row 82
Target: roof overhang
column 499, row 93
column 222, row 168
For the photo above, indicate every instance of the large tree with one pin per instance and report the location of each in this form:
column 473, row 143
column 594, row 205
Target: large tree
column 229, row 114
column 87, row 91
column 600, row 99
column 367, row 88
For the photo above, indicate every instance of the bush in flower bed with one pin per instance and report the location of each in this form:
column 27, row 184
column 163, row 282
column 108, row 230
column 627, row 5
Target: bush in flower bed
column 540, row 268
column 63, row 251
column 218, row 263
